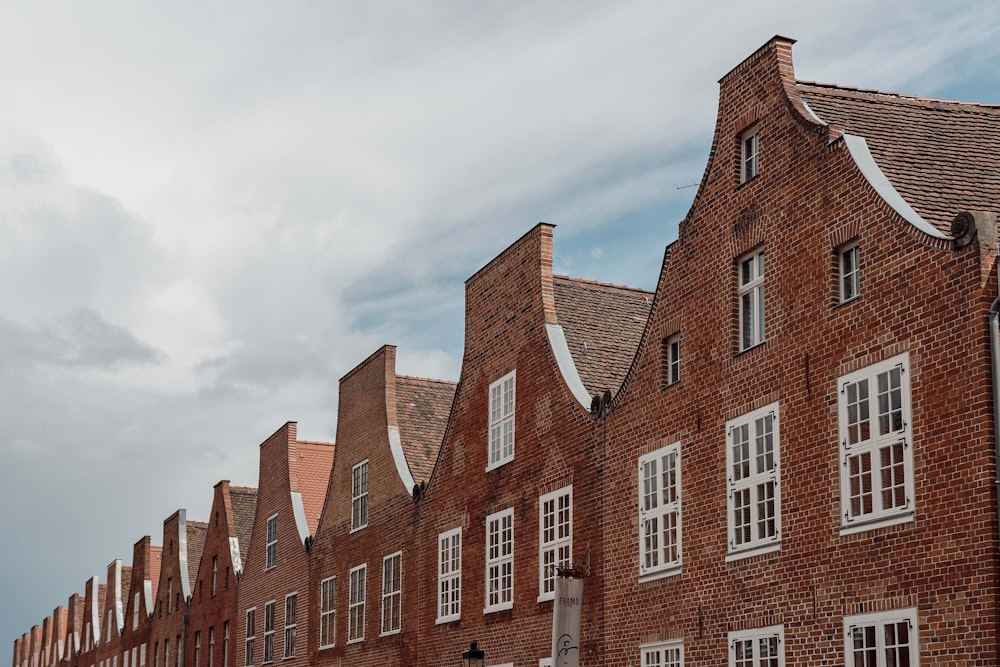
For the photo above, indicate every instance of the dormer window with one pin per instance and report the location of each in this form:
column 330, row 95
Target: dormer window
column 749, row 153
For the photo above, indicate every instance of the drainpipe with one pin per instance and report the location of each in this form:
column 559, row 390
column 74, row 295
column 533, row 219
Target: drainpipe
column 995, row 368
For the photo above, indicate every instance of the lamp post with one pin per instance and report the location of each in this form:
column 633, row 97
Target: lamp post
column 473, row 657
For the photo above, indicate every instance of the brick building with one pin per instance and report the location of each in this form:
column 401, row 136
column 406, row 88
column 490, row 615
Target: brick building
column 785, row 455
column 364, row 565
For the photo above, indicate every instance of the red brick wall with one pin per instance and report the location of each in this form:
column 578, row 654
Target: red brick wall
column 170, row 614
column 135, row 637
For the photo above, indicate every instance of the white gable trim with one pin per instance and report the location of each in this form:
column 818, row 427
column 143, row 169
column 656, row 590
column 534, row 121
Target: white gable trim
column 299, row 510
column 557, row 341
column 402, row 467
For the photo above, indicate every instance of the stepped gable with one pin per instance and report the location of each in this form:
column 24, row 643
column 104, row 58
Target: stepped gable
column 422, row 409
column 244, row 504
column 603, row 324
column 313, row 471
column 196, row 532
column 941, row 156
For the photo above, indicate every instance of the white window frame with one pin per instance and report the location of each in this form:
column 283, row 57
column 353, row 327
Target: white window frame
column 502, row 405
column 288, row 647
column 359, row 496
column 142, row 655
column 251, row 636
column 660, row 523
column 879, row 622
column 356, row 604
column 268, row 656
column 755, row 636
column 555, row 538
column 215, row 572
column 859, row 401
column 499, row 590
column 849, row 275
column 673, row 361
column 135, row 613
column 749, row 155
column 392, row 594
column 225, row 644
column 449, row 599
column 211, row 646
column 662, row 654
column 271, row 548
column 328, row 612
column 748, row 480
column 750, row 294
column 197, row 648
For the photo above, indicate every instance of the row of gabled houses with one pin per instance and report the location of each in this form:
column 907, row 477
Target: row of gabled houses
column 786, row 454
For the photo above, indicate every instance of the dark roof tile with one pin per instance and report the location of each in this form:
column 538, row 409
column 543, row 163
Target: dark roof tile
column 243, row 500
column 422, row 410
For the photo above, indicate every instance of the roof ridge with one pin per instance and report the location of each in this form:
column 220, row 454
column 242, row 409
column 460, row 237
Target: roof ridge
column 243, row 489
column 324, row 443
column 896, row 95
column 425, row 379
column 597, row 283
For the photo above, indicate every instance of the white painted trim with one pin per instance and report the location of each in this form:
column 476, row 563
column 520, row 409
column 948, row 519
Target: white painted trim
column 858, row 148
column 119, row 620
column 234, row 554
column 299, row 510
column 95, row 614
column 182, row 558
column 147, row 594
column 813, row 114
column 567, row 367
column 399, row 458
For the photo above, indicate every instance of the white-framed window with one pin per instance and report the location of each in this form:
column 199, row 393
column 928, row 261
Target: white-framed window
column 359, row 496
column 392, row 585
column 500, row 561
column 107, row 623
column 211, row 647
column 671, row 360
column 268, row 632
column 883, row 639
column 502, row 394
column 251, row 636
column 166, row 652
column 135, row 612
column 356, row 604
column 170, row 594
column 215, row 573
column 328, row 612
column 749, row 155
column 291, row 604
column 663, row 654
column 125, row 662
column 760, row 647
column 849, row 263
column 197, row 648
column 225, row 644
column 142, row 655
column 449, row 576
column 876, row 445
column 272, row 542
column 753, row 496
column 660, row 511
column 555, row 538
column 751, row 296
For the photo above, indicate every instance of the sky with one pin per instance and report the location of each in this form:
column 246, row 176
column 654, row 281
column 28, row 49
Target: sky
column 212, row 211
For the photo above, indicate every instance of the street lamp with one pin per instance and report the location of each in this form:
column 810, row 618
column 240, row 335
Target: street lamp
column 473, row 657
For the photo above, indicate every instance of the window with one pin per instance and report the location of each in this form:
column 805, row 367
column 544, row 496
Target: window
column 751, row 295
column 391, row 593
column 142, row 655
column 668, row 654
column 272, row 543
column 178, row 652
column 268, row 632
column 125, row 662
column 166, row 652
column 215, row 572
column 449, row 576
column 251, row 622
column 211, row 646
column 359, row 496
column 671, row 361
column 885, row 639
column 356, row 605
column 500, row 561
column 555, row 538
column 749, row 155
column 876, row 466
column 135, row 612
column 156, row 654
column 197, row 649
column 327, row 612
column 170, row 588
column 107, row 623
column 501, row 421
column 761, row 647
column 660, row 511
column 225, row 645
column 850, row 275
column 753, row 479
column 291, row 602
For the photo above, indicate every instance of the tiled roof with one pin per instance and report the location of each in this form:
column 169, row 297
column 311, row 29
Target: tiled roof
column 602, row 324
column 196, row 532
column 422, row 409
column 940, row 156
column 314, row 464
column 126, row 584
column 155, row 562
column 243, row 500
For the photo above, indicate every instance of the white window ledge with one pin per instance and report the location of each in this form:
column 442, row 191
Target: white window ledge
column 753, row 551
column 877, row 522
column 672, row 571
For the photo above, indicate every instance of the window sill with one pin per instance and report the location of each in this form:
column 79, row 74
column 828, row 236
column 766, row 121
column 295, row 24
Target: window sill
column 441, row 620
column 355, row 641
column 500, row 607
column 499, row 464
column 877, row 522
column 545, row 597
column 753, row 347
column 362, row 527
column 844, row 302
column 288, row 657
column 671, row 571
column 757, row 550
column 390, row 633
column 327, row 647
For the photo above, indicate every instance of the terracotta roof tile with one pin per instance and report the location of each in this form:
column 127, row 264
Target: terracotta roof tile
column 126, row 584
column 602, row 324
column 243, row 500
column 314, row 464
column 941, row 156
column 422, row 409
column 196, row 532
column 155, row 562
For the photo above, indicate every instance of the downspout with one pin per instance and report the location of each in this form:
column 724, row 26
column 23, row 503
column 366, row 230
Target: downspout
column 995, row 368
